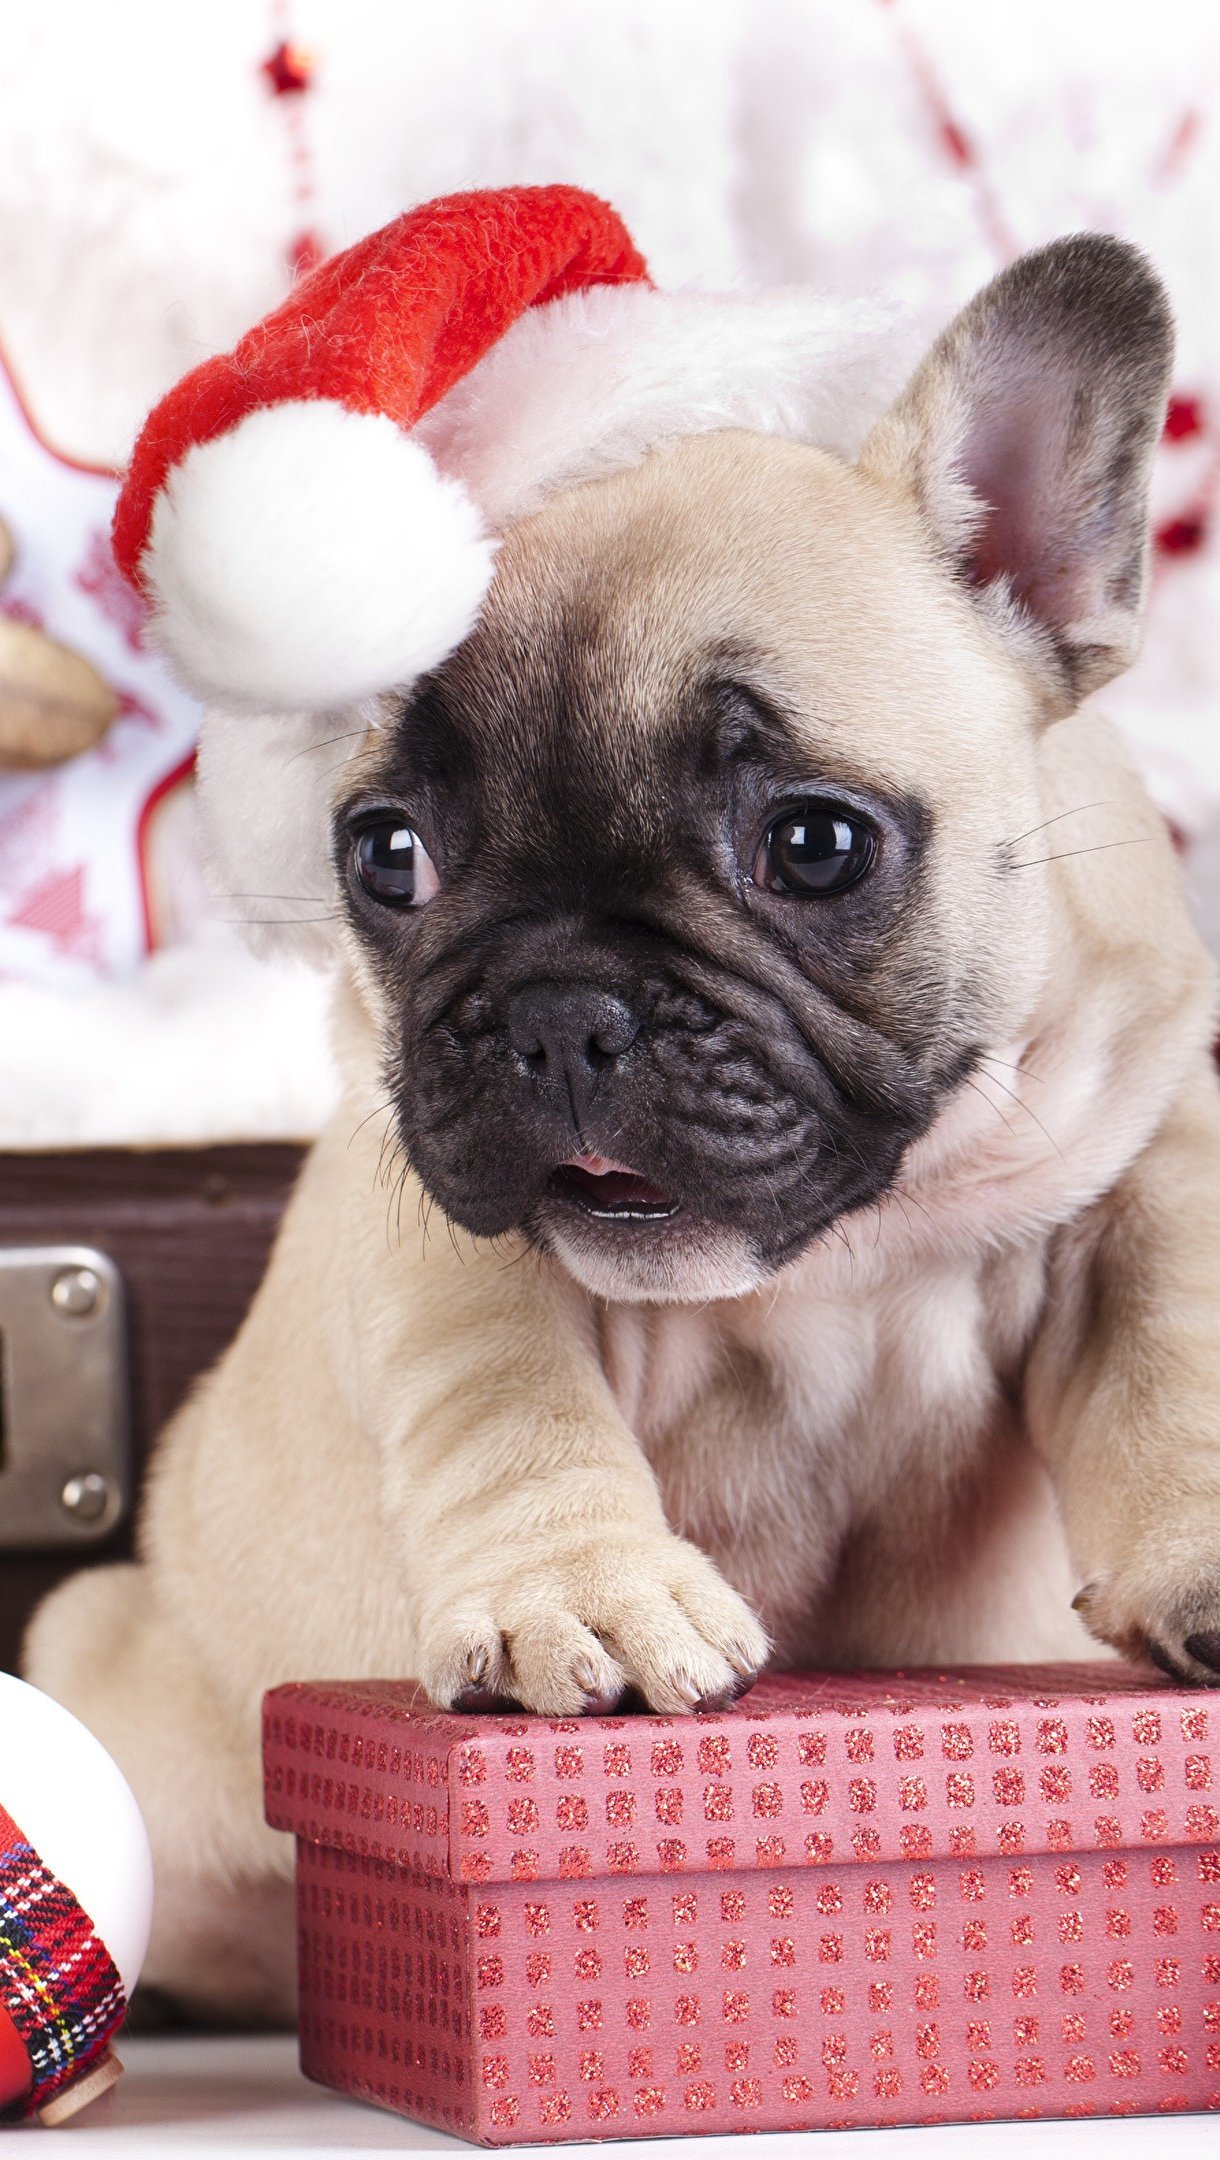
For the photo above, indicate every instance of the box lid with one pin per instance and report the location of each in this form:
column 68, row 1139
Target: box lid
column 806, row 1769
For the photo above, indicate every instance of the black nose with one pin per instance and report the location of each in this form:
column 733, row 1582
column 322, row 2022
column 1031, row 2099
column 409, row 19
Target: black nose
column 569, row 1031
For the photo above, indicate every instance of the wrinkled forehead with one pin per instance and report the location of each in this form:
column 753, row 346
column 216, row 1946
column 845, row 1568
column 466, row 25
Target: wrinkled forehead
column 626, row 614
column 564, row 734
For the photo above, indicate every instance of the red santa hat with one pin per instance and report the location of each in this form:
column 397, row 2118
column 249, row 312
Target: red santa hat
column 313, row 515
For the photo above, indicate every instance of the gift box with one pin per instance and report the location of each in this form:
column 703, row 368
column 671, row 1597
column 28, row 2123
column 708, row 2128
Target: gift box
column 848, row 1900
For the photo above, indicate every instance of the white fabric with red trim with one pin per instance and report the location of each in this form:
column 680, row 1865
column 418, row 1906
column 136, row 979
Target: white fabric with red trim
column 72, row 902
column 104, row 1046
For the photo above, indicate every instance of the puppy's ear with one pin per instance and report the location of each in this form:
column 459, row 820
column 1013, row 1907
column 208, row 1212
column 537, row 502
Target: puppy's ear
column 1027, row 437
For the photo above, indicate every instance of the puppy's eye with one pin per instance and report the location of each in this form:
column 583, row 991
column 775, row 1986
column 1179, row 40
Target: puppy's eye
column 393, row 865
column 820, row 847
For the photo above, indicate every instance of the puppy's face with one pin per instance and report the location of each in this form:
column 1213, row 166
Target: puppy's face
column 685, row 891
column 692, row 862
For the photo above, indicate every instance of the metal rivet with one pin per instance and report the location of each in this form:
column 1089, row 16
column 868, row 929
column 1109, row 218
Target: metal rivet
column 77, row 1292
column 87, row 1495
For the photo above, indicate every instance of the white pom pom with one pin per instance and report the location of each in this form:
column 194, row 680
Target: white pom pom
column 312, row 556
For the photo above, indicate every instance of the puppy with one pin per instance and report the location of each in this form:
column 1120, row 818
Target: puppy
column 774, row 1211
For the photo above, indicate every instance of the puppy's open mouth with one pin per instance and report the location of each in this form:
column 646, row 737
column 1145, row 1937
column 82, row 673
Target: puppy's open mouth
column 612, row 1191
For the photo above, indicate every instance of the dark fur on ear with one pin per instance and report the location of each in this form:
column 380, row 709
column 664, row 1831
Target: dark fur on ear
column 1027, row 437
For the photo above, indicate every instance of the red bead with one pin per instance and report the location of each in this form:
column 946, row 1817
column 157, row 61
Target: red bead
column 1181, row 536
column 1183, row 418
column 305, row 254
column 289, row 69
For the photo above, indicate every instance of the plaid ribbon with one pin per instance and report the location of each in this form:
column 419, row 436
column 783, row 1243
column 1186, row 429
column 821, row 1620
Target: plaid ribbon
column 58, row 1982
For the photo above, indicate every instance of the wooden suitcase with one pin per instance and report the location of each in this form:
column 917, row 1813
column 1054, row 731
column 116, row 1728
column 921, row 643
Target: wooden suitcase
column 189, row 1231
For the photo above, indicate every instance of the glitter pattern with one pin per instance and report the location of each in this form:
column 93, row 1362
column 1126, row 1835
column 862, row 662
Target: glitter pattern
column 1049, row 1946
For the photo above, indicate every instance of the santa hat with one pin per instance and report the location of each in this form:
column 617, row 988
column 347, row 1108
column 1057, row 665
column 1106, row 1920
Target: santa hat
column 313, row 515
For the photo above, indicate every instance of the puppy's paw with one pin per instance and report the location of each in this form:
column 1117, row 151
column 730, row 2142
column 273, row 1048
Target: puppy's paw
column 576, row 1632
column 1164, row 1605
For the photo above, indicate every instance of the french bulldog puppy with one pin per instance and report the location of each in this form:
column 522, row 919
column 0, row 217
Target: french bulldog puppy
column 774, row 1211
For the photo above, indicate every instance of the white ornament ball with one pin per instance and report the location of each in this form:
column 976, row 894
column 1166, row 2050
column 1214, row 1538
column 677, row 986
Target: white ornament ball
column 78, row 1812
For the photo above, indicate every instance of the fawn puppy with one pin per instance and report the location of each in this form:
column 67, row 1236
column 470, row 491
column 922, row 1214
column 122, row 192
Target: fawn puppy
column 774, row 1208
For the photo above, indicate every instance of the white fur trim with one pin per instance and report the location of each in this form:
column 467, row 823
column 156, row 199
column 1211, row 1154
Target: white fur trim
column 206, row 1043
column 310, row 556
column 589, row 383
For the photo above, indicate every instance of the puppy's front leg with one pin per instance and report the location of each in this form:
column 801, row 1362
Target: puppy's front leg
column 537, row 1559
column 1124, row 1395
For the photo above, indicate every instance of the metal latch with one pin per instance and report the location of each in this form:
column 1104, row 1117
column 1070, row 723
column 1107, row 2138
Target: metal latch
column 65, row 1435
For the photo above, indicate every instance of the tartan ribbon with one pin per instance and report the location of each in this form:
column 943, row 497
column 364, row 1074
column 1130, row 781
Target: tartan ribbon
column 58, row 1982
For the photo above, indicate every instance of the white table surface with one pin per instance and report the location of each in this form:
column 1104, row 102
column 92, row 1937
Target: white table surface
column 203, row 2095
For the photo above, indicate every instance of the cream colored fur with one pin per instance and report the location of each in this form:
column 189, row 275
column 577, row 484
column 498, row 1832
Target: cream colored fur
column 427, row 1456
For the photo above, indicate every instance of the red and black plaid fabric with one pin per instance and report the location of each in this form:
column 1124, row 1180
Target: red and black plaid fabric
column 58, row 1983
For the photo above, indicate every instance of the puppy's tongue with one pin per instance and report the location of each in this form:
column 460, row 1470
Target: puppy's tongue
column 605, row 1187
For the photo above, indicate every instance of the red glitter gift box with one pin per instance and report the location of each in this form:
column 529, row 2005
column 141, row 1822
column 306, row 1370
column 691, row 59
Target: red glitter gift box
column 887, row 1898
